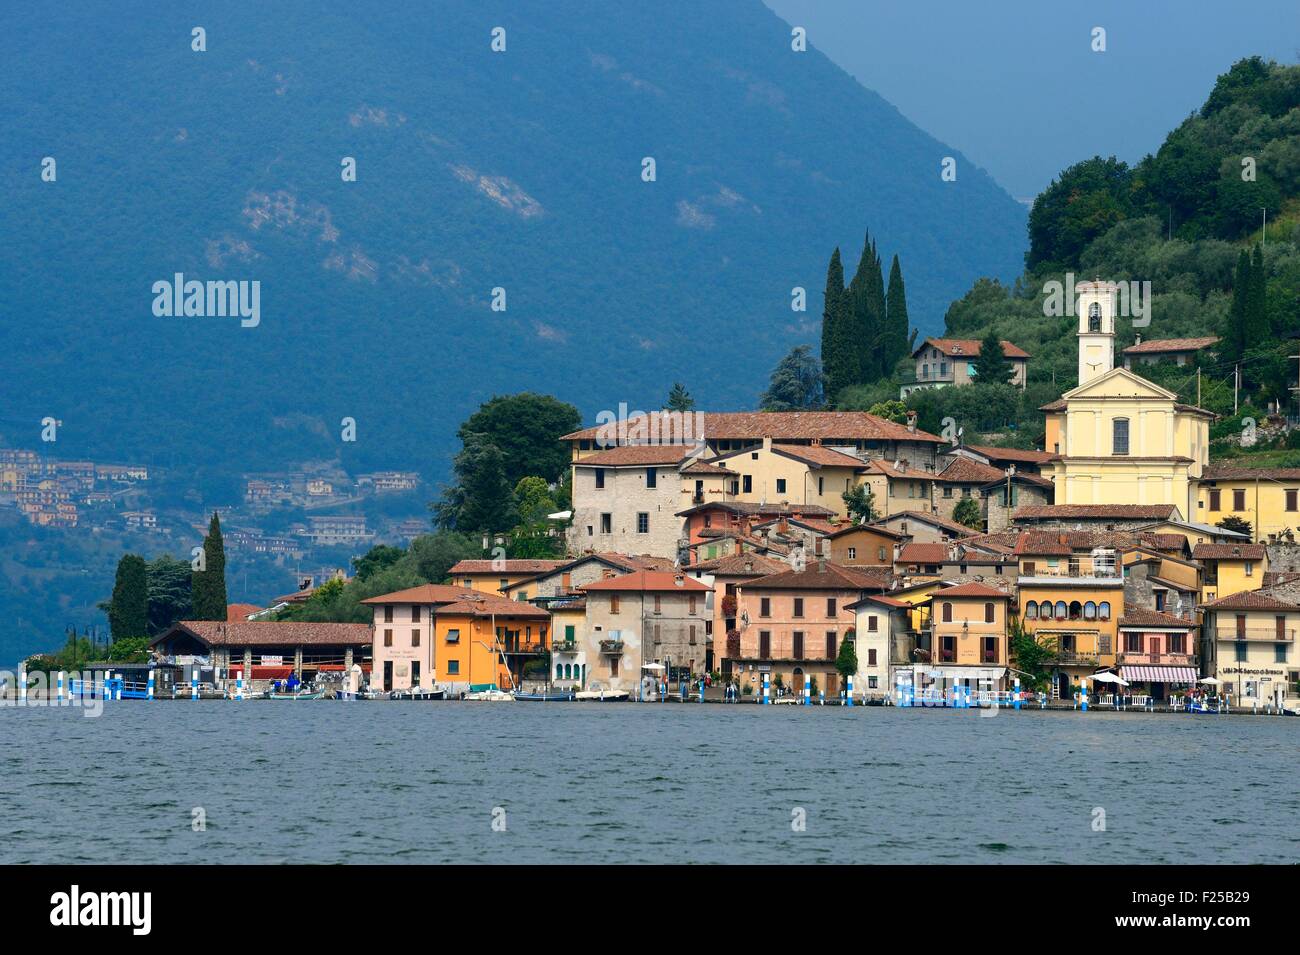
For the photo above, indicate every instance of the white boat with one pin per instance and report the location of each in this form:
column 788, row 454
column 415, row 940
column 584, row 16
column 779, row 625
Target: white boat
column 601, row 694
column 488, row 693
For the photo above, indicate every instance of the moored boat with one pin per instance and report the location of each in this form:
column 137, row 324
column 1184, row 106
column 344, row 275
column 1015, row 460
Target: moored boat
column 487, row 693
column 545, row 696
column 600, row 694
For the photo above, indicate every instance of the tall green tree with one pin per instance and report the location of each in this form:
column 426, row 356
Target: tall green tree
column 796, row 383
column 992, row 367
column 967, row 512
column 1257, row 326
column 837, row 363
column 208, row 585
column 375, row 560
column 532, row 536
column 866, row 317
column 128, row 610
column 526, row 428
column 1234, row 335
column 170, row 593
column 480, row 500
column 860, row 503
column 679, row 399
column 897, row 338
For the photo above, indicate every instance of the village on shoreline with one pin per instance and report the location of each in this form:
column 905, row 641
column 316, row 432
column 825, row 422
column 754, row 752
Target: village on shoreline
column 829, row 557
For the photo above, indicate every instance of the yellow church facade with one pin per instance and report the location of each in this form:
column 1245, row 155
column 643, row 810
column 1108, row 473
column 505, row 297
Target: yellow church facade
column 1118, row 438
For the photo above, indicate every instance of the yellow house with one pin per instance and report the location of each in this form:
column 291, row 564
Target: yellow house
column 1266, row 498
column 568, row 636
column 1120, row 439
column 496, row 576
column 809, row 474
column 968, row 637
column 1230, row 568
column 1250, row 644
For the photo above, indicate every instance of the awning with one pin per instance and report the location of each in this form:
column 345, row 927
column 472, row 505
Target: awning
column 1186, row 675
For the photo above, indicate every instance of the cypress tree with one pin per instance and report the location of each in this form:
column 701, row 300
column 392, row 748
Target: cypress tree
column 209, row 584
column 1258, row 331
column 898, row 340
column 128, row 610
column 992, row 367
column 1234, row 336
column 836, row 356
column 867, row 293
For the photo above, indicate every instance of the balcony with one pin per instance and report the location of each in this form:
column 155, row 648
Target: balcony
column 1158, row 659
column 527, row 647
column 565, row 646
column 611, row 646
column 1072, row 569
column 1077, row 658
column 1258, row 634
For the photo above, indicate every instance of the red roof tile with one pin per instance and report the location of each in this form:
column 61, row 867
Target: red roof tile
column 1229, row 552
column 971, row 590
column 922, row 554
column 966, row 471
column 968, row 347
column 1139, row 617
column 827, row 426
column 520, row 566
column 1250, row 600
column 647, row 580
column 1152, row 512
column 254, row 633
column 1163, row 345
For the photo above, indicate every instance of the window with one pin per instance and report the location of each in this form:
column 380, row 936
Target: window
column 880, row 554
column 388, row 613
column 797, row 651
column 1045, row 610
column 780, row 485
column 1240, row 647
column 1094, row 317
column 453, row 667
column 690, row 604
column 765, row 607
column 831, row 648
column 600, row 477
column 1031, row 611
column 1089, row 611
column 989, row 614
column 503, row 584
column 1238, row 500
column 1176, row 644
column 692, row 634
column 1279, row 653
column 453, row 636
column 651, row 477
column 607, row 523
column 1250, row 568
column 1132, row 643
column 415, row 637
column 1290, row 500
column 1214, row 500
column 798, row 606
column 659, row 603
column 1119, row 436
column 388, row 638
column 613, row 665
column 747, row 481
column 415, row 613
column 821, row 486
column 643, row 522
column 1241, row 626
column 873, row 624
column 613, row 603
column 1061, row 611
column 853, row 553
column 989, row 649
column 1103, row 610
column 947, row 613
column 947, row 491
column 764, row 644
column 1279, row 624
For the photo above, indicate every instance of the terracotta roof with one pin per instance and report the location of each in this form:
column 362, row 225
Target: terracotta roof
column 790, row 425
column 630, row 455
column 254, row 633
column 1250, row 600
column 832, row 577
column 968, row 347
column 1138, row 617
column 934, row 519
column 1275, row 578
column 966, row 471
column 825, row 528
column 1009, row 454
column 757, row 509
column 647, row 580
column 847, row 528
column 520, row 566
column 490, row 605
column 423, row 594
column 1043, row 543
column 972, row 590
column 1057, row 405
column 1228, row 473
column 819, row 456
column 1229, row 552
column 1164, row 541
column 909, row 473
column 922, row 554
column 236, row 612
column 704, row 467
column 1163, row 345
column 741, row 565
column 1095, row 511
column 881, row 599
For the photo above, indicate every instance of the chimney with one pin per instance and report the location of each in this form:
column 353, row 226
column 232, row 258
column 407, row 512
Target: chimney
column 911, row 421
column 1138, row 339
column 749, row 565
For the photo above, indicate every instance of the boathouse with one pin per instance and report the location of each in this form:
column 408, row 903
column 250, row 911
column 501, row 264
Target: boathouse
column 265, row 649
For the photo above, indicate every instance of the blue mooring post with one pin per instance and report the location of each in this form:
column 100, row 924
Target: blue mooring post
column 807, row 692
column 701, row 689
column 22, row 685
column 1083, row 695
column 59, row 692
column 1016, row 700
column 194, row 684
column 821, row 697
column 766, row 689
column 848, row 696
column 149, row 687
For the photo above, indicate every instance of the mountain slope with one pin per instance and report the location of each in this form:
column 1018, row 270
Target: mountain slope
column 475, row 170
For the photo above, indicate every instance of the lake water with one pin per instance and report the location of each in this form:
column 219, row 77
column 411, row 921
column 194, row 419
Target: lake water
column 626, row 783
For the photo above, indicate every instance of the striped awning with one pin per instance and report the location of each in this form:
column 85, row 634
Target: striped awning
column 1141, row 674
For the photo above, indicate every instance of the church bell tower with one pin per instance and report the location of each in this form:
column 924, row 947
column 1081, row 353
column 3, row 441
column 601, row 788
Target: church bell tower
column 1095, row 308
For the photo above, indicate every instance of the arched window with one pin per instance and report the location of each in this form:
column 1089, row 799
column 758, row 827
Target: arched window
column 1076, row 610
column 1103, row 610
column 1060, row 610
column 559, row 671
column 1119, row 436
column 1045, row 610
column 1094, row 317
column 1031, row 611
column 1090, row 611
column 568, row 671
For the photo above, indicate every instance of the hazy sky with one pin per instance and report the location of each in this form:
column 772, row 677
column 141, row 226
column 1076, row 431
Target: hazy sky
column 1015, row 85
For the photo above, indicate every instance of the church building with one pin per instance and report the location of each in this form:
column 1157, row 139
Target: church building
column 1117, row 438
